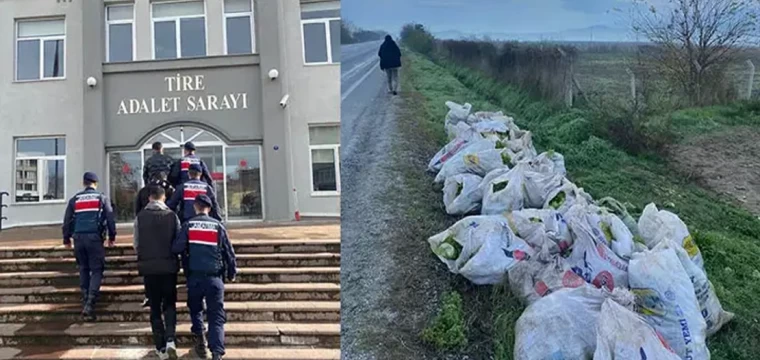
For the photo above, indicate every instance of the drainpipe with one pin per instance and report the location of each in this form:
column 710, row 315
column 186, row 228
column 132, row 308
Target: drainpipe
column 2, row 206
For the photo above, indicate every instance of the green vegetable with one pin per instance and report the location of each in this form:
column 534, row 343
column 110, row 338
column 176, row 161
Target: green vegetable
column 558, row 200
column 535, row 220
column 449, row 249
column 639, row 239
column 500, row 186
column 505, row 158
column 607, row 230
column 500, row 145
column 460, row 186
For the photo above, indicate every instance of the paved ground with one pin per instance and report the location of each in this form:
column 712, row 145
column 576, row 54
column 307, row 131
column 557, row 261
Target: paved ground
column 368, row 122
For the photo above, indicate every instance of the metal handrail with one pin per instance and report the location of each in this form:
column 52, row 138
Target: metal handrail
column 2, row 206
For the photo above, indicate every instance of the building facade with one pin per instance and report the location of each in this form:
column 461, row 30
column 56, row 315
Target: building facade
column 89, row 85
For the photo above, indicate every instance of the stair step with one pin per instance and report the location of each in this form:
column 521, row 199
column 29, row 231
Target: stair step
column 135, row 353
column 247, row 246
column 131, row 277
column 135, row 293
column 129, row 262
column 236, row 334
column 294, row 311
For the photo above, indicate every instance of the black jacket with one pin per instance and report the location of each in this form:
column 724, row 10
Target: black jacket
column 390, row 55
column 156, row 227
column 155, row 164
column 143, row 196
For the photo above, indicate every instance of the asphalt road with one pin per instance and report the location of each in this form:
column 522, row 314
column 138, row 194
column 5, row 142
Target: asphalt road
column 362, row 84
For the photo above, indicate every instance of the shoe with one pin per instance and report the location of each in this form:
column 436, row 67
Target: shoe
column 146, row 303
column 171, row 350
column 88, row 314
column 200, row 346
column 216, row 356
column 162, row 354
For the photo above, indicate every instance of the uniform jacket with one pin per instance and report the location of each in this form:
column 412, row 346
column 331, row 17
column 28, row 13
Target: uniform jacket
column 155, row 164
column 205, row 248
column 156, row 227
column 89, row 213
column 184, row 196
column 390, row 55
column 179, row 176
column 143, row 196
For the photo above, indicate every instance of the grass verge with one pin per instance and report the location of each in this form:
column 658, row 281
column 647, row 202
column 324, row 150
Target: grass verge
column 727, row 235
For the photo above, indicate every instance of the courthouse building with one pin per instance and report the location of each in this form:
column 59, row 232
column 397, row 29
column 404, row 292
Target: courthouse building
column 89, row 85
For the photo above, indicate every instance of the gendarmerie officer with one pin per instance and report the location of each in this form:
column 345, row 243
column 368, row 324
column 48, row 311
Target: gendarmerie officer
column 180, row 169
column 184, row 196
column 209, row 258
column 88, row 215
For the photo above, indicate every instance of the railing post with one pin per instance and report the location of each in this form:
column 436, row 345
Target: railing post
column 2, row 206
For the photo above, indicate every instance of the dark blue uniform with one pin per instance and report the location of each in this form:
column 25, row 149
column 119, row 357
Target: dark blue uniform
column 88, row 216
column 184, row 196
column 180, row 168
column 208, row 257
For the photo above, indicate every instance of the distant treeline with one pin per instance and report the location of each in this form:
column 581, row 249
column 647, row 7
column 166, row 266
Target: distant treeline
column 350, row 34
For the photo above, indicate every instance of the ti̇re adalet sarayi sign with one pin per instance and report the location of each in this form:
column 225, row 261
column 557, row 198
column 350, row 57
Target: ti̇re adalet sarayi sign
column 197, row 99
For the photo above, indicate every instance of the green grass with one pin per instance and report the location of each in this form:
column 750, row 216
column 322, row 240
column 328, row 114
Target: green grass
column 447, row 331
column 727, row 235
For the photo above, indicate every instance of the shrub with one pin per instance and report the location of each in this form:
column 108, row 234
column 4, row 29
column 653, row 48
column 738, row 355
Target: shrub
column 417, row 38
column 447, row 331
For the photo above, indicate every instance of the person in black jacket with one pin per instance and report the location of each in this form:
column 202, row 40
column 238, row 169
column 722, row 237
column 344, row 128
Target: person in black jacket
column 156, row 163
column 143, row 196
column 390, row 62
column 156, row 227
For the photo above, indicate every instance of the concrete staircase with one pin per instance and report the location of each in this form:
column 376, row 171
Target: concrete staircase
column 285, row 304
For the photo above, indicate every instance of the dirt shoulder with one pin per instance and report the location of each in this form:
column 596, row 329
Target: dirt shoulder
column 724, row 161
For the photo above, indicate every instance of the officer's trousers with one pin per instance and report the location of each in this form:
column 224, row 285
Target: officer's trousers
column 90, row 254
column 210, row 288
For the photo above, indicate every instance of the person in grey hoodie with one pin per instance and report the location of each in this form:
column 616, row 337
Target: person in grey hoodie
column 156, row 227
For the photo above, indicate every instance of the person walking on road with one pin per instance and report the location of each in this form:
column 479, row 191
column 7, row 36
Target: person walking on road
column 89, row 215
column 156, row 227
column 179, row 170
column 184, row 197
column 390, row 62
column 156, row 163
column 209, row 258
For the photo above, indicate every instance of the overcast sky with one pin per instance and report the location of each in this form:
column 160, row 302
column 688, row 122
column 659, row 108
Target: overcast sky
column 484, row 16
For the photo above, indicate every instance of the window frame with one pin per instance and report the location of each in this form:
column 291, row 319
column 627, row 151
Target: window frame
column 42, row 40
column 336, row 156
column 120, row 22
column 252, row 20
column 177, row 28
column 44, row 158
column 326, row 22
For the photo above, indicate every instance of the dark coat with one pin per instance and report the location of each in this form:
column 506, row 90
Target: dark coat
column 143, row 196
column 156, row 164
column 390, row 55
column 156, row 227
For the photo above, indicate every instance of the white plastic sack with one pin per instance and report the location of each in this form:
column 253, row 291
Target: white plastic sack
column 665, row 298
column 461, row 194
column 619, row 209
column 564, row 197
column 534, row 279
column 538, row 187
column 479, row 116
column 504, row 192
column 590, row 257
column 492, row 127
column 562, row 325
column 457, row 113
column 549, row 162
column 492, row 175
column 544, row 230
column 617, row 235
column 654, row 226
column 480, row 248
column 477, row 158
column 464, row 138
column 709, row 304
column 622, row 334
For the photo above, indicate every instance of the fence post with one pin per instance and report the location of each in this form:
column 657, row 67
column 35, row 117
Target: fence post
column 751, row 79
column 633, row 82
column 2, row 206
column 569, row 76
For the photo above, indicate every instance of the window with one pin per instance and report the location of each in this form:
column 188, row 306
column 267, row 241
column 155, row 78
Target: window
column 40, row 170
column 238, row 22
column 324, row 145
column 321, row 40
column 40, row 49
column 119, row 33
column 179, row 30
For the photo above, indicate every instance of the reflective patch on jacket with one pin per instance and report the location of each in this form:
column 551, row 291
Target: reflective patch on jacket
column 204, row 252
column 87, row 210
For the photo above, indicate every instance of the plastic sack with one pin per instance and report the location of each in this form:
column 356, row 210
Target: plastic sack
column 590, row 257
column 457, row 113
column 538, row 186
column 461, row 194
column 479, row 116
column 534, row 279
column 564, row 197
column 665, row 298
column 464, row 138
column 623, row 334
column 476, row 158
column 617, row 235
column 619, row 209
column 562, row 325
column 480, row 248
column 544, row 230
column 709, row 304
column 656, row 225
column 504, row 192
column 491, row 126
column 549, row 162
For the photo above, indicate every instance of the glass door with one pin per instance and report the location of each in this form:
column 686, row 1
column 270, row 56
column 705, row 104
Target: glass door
column 125, row 180
column 213, row 156
column 243, row 180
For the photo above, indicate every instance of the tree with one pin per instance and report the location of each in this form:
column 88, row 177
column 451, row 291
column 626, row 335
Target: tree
column 418, row 38
column 696, row 41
